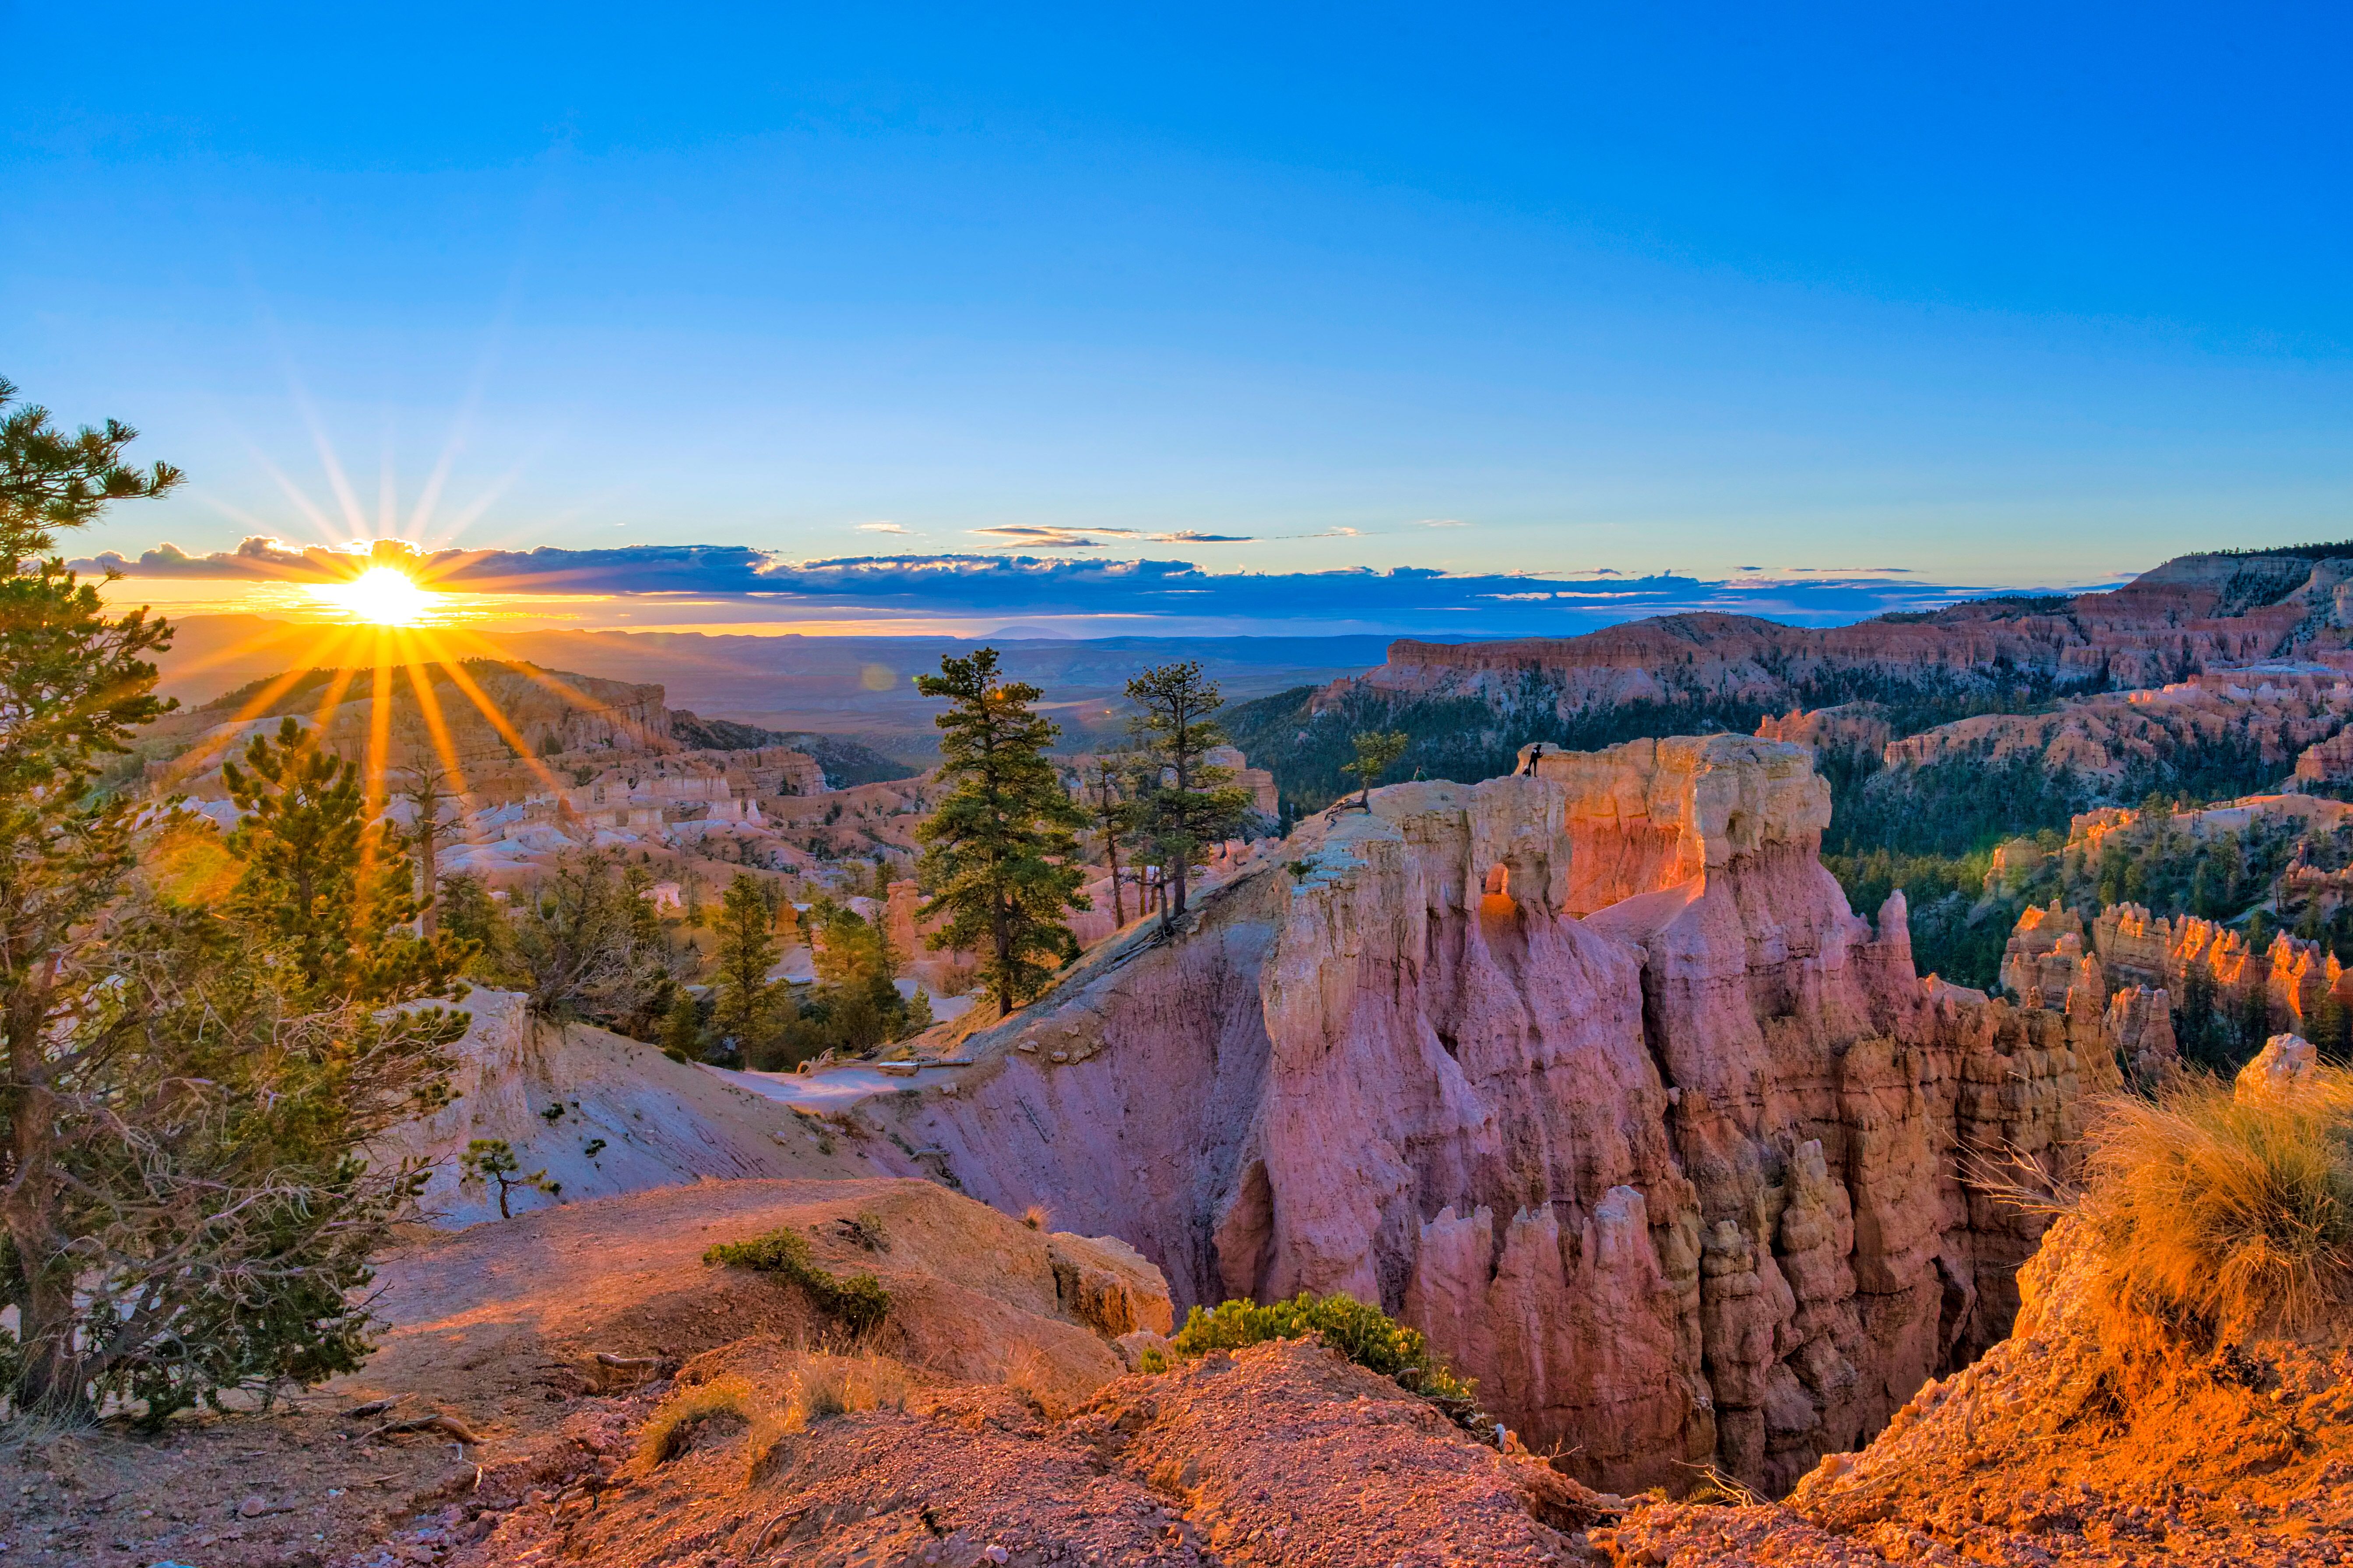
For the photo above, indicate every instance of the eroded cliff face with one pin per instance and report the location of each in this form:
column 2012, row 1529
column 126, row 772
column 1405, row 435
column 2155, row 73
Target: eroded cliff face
column 1588, row 1073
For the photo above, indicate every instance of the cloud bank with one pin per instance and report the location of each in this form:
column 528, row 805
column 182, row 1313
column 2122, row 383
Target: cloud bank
column 1091, row 595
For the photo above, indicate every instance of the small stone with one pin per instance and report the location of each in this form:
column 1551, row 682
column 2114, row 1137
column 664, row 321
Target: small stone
column 996, row 1554
column 252, row 1507
column 1061, row 1057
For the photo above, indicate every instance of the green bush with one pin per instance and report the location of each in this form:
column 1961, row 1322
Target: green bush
column 859, row 1303
column 1365, row 1335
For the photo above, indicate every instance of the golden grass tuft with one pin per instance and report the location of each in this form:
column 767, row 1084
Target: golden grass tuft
column 824, row 1387
column 2229, row 1215
column 1036, row 1217
column 670, row 1430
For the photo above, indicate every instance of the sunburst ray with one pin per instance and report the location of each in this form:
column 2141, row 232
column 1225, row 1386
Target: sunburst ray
column 487, row 709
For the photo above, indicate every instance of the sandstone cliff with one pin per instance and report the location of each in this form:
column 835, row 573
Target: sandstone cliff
column 1589, row 1073
column 2111, row 1429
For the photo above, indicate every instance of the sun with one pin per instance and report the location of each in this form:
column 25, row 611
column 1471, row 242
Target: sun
column 380, row 595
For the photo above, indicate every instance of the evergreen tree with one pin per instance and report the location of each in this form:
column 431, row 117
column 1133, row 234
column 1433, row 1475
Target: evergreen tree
column 74, row 683
column 744, row 999
column 582, row 944
column 2197, row 1029
column 191, row 1083
column 1377, row 751
column 2331, row 1026
column 427, row 787
column 1190, row 805
column 2254, row 1023
column 492, row 1160
column 999, row 851
column 855, row 1005
column 1112, row 808
column 469, row 914
column 682, row 1036
column 331, row 886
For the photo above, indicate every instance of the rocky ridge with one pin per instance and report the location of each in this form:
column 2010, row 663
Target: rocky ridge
column 2054, row 951
column 2191, row 612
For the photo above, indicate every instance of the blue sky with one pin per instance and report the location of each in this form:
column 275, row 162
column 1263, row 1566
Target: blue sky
column 2018, row 296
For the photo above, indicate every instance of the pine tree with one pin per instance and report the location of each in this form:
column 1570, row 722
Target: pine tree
column 492, row 1160
column 745, row 1009
column 1377, row 751
column 74, row 683
column 1112, row 812
column 998, row 850
column 1189, row 804
column 2329, row 1027
column 469, row 914
column 682, row 1036
column 332, row 885
column 583, row 944
column 2197, row 1029
column 426, row 788
column 191, row 1091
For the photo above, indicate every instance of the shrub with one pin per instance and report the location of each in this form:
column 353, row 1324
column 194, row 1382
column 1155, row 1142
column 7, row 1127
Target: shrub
column 1365, row 1335
column 859, row 1303
column 2227, row 1215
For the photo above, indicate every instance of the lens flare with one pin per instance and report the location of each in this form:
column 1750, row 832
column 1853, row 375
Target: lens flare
column 380, row 595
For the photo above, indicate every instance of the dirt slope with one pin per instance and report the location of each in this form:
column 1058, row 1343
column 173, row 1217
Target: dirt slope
column 484, row 1315
column 497, row 1325
column 626, row 1118
column 1278, row 1454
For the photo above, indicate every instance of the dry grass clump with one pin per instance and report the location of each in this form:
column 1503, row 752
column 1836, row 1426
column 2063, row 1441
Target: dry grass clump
column 1031, row 1376
column 670, row 1430
column 2224, row 1213
column 823, row 1386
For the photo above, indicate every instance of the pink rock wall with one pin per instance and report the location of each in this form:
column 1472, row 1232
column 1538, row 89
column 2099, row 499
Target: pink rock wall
column 1589, row 1073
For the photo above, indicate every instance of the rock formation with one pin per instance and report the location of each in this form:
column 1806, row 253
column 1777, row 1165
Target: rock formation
column 2278, row 713
column 2053, row 952
column 1589, row 1073
column 2069, row 1443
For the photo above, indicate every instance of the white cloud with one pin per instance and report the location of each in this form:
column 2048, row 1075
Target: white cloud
column 882, row 528
column 1049, row 537
column 1442, row 523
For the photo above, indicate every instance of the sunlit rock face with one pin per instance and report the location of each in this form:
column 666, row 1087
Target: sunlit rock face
column 1589, row 1073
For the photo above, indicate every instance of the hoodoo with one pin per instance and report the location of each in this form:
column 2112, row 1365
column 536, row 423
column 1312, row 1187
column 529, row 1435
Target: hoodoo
column 1589, row 1073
